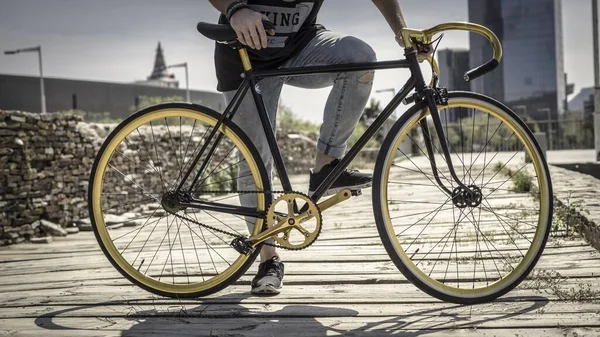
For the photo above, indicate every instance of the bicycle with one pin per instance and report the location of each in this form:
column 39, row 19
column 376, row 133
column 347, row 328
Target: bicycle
column 188, row 192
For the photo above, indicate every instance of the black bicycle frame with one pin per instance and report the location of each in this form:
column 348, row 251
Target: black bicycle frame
column 250, row 82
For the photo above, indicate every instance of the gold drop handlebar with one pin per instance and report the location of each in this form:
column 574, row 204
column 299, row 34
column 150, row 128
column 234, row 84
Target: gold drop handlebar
column 426, row 37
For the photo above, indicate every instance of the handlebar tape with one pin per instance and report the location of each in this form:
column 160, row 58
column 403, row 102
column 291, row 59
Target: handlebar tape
column 482, row 70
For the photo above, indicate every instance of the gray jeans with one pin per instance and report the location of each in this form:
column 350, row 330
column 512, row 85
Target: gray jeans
column 343, row 109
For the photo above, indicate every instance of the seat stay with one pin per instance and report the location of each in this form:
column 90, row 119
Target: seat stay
column 229, row 112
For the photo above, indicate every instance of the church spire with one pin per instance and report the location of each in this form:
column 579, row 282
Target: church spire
column 160, row 75
column 160, row 66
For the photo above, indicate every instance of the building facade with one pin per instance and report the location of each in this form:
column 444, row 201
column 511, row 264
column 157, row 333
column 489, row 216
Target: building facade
column 23, row 93
column 531, row 75
column 453, row 65
column 117, row 99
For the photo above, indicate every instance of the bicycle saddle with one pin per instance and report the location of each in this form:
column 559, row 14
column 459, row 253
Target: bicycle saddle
column 222, row 32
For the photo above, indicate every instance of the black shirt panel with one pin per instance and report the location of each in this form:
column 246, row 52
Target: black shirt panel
column 295, row 26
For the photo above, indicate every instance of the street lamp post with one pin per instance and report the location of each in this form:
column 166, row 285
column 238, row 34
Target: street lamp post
column 549, row 121
column 187, row 79
column 37, row 49
column 596, row 75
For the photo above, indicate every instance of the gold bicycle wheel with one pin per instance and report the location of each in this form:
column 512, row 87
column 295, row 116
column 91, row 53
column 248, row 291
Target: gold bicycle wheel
column 457, row 248
column 144, row 159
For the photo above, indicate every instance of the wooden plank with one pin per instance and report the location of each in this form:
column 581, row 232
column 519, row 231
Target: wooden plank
column 260, row 327
column 176, row 308
column 319, row 270
column 567, row 257
column 292, row 294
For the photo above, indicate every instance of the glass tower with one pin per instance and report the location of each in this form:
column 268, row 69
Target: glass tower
column 531, row 76
column 453, row 66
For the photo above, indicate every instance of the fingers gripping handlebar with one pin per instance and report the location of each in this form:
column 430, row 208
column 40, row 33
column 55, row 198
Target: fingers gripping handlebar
column 426, row 36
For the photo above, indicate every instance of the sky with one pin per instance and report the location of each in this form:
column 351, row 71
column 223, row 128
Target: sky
column 115, row 40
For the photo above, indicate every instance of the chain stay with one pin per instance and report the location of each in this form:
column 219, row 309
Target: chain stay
column 226, row 232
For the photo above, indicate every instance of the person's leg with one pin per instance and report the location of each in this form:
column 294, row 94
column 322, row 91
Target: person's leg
column 345, row 104
column 348, row 96
column 248, row 120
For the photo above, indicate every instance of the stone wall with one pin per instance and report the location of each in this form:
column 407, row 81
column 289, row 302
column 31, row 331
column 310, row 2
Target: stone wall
column 45, row 161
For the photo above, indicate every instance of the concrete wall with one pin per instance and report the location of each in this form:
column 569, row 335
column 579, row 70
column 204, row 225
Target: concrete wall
column 23, row 93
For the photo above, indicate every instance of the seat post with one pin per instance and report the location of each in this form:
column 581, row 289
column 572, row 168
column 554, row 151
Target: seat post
column 245, row 59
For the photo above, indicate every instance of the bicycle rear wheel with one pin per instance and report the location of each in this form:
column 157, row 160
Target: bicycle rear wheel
column 456, row 250
column 164, row 250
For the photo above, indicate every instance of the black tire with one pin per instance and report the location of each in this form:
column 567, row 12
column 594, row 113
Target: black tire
column 378, row 201
column 261, row 168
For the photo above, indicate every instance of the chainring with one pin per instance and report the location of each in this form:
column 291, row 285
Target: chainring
column 286, row 208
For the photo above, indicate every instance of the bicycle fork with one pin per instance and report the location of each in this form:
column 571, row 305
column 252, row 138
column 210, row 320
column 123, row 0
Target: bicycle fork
column 462, row 195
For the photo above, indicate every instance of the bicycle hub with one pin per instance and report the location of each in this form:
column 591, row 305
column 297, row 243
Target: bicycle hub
column 463, row 198
column 171, row 202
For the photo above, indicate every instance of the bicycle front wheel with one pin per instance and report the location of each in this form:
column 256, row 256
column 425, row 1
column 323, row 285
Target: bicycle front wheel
column 454, row 248
column 174, row 251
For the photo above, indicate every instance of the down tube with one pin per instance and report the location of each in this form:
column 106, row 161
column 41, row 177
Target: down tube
column 362, row 141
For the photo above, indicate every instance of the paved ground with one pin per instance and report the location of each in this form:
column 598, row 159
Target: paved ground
column 571, row 156
column 344, row 284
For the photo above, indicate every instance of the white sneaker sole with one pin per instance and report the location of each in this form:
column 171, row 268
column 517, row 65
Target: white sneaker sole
column 267, row 289
column 333, row 191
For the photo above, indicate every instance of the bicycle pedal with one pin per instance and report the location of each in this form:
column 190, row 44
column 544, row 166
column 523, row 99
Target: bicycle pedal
column 356, row 193
column 241, row 246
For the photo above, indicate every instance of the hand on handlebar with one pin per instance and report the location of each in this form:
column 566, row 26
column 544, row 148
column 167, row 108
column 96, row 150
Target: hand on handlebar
column 424, row 51
column 249, row 28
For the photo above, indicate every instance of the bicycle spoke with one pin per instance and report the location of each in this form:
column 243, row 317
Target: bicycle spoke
column 422, row 230
column 177, row 162
column 426, row 175
column 490, row 242
column 502, row 146
column 149, row 156
column 434, row 246
column 139, row 230
column 217, row 166
column 425, row 155
column 183, row 253
column 416, row 222
column 193, row 154
column 195, row 250
column 490, row 210
column 160, row 245
column 133, row 182
column 507, row 180
column 472, row 145
column 420, row 213
column 155, row 148
column 147, row 160
column 170, row 251
column 236, row 232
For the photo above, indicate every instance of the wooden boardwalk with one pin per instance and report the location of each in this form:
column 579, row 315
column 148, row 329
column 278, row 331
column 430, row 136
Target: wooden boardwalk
column 344, row 284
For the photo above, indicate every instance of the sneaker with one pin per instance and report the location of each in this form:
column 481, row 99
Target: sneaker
column 351, row 179
column 269, row 279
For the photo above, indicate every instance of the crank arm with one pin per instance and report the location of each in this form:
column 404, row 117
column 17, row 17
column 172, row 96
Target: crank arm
column 285, row 225
column 336, row 199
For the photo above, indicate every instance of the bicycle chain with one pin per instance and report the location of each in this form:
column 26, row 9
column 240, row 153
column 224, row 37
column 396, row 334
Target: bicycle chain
column 232, row 234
